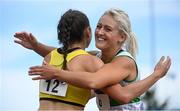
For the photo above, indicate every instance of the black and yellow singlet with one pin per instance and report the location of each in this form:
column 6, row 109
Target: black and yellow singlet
column 59, row 90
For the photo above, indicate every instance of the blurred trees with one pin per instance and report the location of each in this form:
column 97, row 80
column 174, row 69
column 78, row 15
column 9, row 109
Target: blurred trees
column 152, row 103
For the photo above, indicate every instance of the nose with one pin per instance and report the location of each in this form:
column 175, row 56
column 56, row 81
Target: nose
column 100, row 31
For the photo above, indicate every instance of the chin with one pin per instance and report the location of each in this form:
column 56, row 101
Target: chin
column 100, row 47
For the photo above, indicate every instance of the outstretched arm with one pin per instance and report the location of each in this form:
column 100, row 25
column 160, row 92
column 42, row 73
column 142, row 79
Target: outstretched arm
column 117, row 92
column 105, row 76
column 28, row 41
column 129, row 92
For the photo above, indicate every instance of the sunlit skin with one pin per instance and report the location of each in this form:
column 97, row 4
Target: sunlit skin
column 106, row 33
column 108, row 38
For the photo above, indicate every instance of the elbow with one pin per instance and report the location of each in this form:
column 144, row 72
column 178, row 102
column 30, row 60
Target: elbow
column 94, row 84
column 126, row 98
column 125, row 101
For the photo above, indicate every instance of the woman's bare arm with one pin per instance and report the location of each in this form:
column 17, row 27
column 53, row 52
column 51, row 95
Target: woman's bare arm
column 43, row 49
column 127, row 93
column 107, row 75
column 119, row 93
column 27, row 40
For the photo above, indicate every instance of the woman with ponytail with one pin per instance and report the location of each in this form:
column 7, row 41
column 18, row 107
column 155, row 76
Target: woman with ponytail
column 74, row 35
column 73, row 30
column 115, row 39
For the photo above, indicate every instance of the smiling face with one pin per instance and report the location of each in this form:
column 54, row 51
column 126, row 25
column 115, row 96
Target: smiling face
column 107, row 34
column 113, row 32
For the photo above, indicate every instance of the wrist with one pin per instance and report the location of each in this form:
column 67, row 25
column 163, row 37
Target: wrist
column 35, row 46
column 156, row 75
column 57, row 74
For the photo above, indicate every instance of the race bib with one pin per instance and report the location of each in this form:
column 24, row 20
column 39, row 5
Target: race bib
column 102, row 101
column 53, row 87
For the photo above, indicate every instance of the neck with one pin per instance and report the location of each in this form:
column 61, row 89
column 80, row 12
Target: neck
column 109, row 54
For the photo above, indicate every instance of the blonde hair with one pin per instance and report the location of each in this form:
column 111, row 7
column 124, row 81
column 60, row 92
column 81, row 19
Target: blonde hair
column 123, row 21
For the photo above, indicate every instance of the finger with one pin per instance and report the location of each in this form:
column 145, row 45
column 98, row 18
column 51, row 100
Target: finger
column 35, row 67
column 169, row 63
column 37, row 78
column 22, row 37
column 18, row 42
column 25, row 34
column 38, row 71
column 161, row 60
column 166, row 64
column 34, row 73
column 31, row 37
column 166, row 61
column 168, row 58
column 28, row 37
column 19, row 33
column 19, row 36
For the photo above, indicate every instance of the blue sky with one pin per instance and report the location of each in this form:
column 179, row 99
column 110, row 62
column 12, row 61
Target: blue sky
column 41, row 17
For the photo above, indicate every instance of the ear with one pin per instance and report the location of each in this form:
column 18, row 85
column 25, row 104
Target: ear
column 123, row 37
column 88, row 35
column 88, row 32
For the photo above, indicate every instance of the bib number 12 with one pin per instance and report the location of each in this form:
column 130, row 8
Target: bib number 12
column 53, row 87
